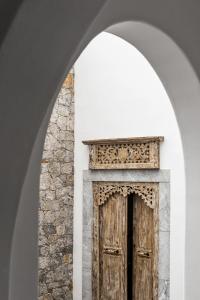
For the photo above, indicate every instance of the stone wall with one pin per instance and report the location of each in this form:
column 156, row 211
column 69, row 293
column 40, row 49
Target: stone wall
column 56, row 200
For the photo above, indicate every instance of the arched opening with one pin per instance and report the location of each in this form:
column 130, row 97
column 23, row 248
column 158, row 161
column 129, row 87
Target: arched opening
column 121, row 96
column 139, row 106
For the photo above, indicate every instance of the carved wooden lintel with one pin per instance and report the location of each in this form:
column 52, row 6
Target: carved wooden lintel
column 147, row 191
column 129, row 153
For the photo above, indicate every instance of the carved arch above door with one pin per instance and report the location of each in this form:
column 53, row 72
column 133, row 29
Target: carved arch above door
column 147, row 191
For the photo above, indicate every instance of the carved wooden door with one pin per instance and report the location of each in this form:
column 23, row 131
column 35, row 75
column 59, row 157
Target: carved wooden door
column 143, row 251
column 112, row 250
column 125, row 239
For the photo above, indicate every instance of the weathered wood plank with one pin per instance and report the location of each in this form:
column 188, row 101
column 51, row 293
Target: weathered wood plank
column 112, row 244
column 143, row 235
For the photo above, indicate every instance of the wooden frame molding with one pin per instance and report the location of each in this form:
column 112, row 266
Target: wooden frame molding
column 125, row 153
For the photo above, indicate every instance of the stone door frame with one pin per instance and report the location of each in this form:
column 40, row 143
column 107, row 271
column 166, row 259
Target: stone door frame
column 162, row 177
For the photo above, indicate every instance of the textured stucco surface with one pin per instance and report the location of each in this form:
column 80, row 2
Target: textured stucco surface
column 56, row 200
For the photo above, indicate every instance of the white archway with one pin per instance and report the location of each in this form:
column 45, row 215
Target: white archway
column 183, row 88
column 35, row 57
column 118, row 94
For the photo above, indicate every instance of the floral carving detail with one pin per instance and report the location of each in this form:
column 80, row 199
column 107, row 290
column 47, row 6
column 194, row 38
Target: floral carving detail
column 147, row 191
column 123, row 153
column 133, row 153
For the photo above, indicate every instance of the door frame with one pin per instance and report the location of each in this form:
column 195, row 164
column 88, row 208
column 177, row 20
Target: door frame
column 132, row 178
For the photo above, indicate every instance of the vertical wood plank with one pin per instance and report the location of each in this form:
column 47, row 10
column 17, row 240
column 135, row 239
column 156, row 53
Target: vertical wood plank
column 113, row 248
column 145, row 275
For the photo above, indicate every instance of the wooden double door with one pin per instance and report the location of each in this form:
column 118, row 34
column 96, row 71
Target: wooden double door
column 125, row 266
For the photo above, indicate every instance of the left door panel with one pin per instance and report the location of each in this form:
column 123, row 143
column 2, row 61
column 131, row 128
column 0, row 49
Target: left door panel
column 113, row 249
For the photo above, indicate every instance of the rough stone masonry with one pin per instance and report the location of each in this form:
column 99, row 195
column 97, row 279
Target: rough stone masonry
column 56, row 200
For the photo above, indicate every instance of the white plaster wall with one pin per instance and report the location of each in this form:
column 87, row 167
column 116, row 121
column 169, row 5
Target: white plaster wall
column 118, row 94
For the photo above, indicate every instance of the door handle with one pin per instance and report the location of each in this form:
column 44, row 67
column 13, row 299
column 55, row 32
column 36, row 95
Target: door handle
column 112, row 251
column 144, row 253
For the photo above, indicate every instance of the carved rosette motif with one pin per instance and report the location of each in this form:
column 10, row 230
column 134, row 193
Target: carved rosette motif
column 123, row 153
column 135, row 153
column 147, row 191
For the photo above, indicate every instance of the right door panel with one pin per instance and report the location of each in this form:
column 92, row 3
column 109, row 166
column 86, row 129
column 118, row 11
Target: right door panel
column 143, row 254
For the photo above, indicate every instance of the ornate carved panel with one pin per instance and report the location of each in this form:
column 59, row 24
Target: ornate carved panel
column 131, row 153
column 147, row 191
